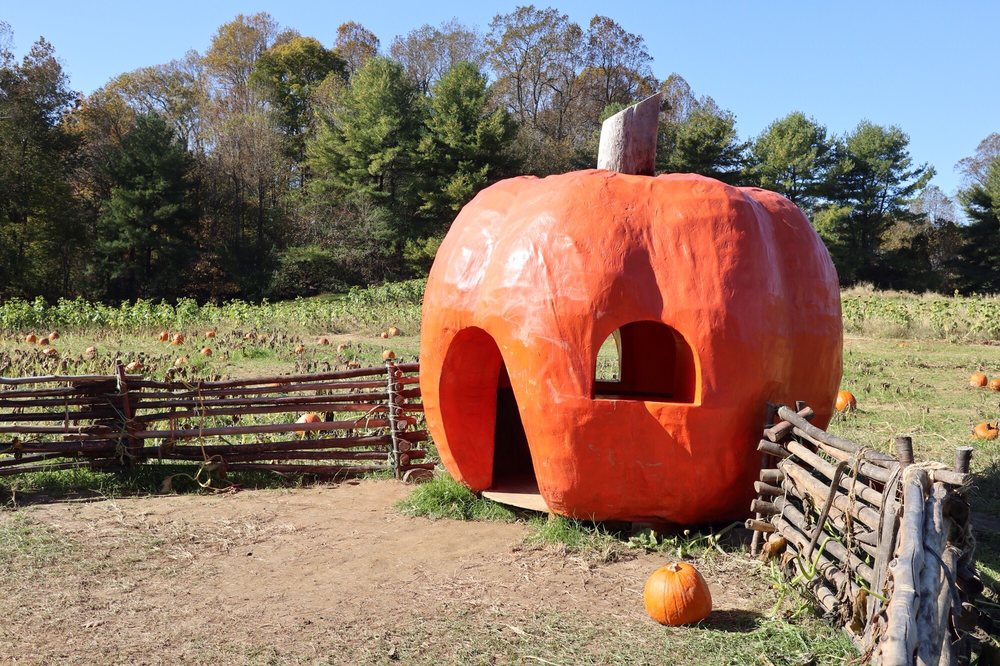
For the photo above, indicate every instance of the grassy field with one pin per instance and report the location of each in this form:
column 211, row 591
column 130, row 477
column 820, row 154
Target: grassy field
column 907, row 359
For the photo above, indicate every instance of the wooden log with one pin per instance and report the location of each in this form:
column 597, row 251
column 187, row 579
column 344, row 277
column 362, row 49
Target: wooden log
column 320, row 377
column 933, row 586
column 208, row 411
column 285, row 445
column 91, row 446
column 291, row 402
column 818, row 492
column 628, row 138
column 873, row 471
column 766, row 508
column 904, row 450
column 773, row 477
column 814, row 433
column 283, row 455
column 860, row 488
column 783, row 429
column 274, row 387
column 25, row 460
column 963, row 459
column 767, row 489
column 833, row 548
column 899, row 641
column 266, row 428
column 772, row 449
column 72, row 379
column 825, row 566
column 35, row 417
column 759, row 525
column 951, row 478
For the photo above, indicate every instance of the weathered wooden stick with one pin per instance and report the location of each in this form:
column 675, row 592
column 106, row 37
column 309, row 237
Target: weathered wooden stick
column 783, row 429
column 824, row 594
column 904, row 450
column 318, row 470
column 284, row 455
column 821, row 561
column 935, row 604
column 10, row 471
column 290, row 401
column 767, row 489
column 759, row 525
column 285, row 445
column 274, row 387
column 813, row 432
column 899, row 642
column 832, row 547
column 210, row 411
column 818, row 492
column 773, row 477
column 628, row 138
column 48, row 379
column 772, row 449
column 373, row 371
column 265, row 428
column 11, row 462
column 963, row 459
column 949, row 477
column 873, row 471
column 766, row 508
column 861, row 489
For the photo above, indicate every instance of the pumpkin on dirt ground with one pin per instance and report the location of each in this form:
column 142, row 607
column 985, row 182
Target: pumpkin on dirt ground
column 164, row 336
column 846, row 402
column 178, row 339
column 986, row 430
column 677, row 594
column 994, row 384
column 977, row 380
column 31, row 338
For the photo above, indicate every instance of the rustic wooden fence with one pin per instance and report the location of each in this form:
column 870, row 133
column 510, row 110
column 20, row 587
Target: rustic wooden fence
column 883, row 543
column 366, row 422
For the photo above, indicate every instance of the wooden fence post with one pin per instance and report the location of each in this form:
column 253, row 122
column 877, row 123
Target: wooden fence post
column 128, row 413
column 392, row 409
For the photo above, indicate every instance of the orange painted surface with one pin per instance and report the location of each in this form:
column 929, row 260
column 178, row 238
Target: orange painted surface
column 725, row 297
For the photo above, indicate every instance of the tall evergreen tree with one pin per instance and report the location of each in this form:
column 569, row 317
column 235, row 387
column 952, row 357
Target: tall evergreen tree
column 704, row 142
column 979, row 257
column 146, row 226
column 792, row 157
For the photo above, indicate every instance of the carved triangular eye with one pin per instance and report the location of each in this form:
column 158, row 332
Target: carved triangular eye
column 645, row 360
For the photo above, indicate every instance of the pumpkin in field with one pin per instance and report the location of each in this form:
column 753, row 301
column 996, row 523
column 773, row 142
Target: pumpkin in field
column 299, row 349
column 51, row 352
column 677, row 594
column 846, row 402
column 994, row 384
column 705, row 302
column 311, row 417
column 322, row 340
column 342, row 346
column 206, row 351
column 31, row 338
column 54, row 335
column 986, row 430
column 393, row 331
column 181, row 361
column 134, row 366
column 977, row 380
column 90, row 352
column 178, row 339
column 384, row 334
column 388, row 355
column 209, row 334
column 164, row 336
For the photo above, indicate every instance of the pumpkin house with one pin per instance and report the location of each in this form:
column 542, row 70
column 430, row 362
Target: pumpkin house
column 707, row 300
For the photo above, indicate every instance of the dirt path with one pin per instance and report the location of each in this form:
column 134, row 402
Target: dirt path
column 318, row 575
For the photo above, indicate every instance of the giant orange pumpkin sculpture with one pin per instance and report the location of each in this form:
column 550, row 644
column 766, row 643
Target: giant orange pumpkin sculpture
column 719, row 299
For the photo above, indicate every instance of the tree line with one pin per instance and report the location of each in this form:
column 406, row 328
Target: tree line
column 274, row 166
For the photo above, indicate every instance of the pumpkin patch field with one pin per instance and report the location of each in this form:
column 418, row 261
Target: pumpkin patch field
column 371, row 571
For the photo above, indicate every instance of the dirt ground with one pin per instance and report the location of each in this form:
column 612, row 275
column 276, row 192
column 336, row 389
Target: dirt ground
column 324, row 574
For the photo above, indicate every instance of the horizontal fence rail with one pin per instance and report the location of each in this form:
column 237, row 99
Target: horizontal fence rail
column 359, row 421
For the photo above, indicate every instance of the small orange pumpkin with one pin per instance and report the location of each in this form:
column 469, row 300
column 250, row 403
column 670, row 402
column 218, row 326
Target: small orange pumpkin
column 323, row 340
column 846, row 402
column 31, row 338
column 299, row 349
column 677, row 594
column 994, row 384
column 90, row 352
column 43, row 341
column 178, row 339
column 311, row 417
column 51, row 352
column 977, row 380
column 54, row 335
column 164, row 336
column 393, row 332
column 388, row 355
column 384, row 334
column 134, row 366
column 206, row 351
column 209, row 334
column 181, row 360
column 986, row 430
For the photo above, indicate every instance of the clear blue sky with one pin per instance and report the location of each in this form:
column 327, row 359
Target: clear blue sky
column 931, row 68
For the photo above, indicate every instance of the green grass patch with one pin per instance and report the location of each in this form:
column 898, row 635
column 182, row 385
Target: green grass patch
column 27, row 545
column 443, row 497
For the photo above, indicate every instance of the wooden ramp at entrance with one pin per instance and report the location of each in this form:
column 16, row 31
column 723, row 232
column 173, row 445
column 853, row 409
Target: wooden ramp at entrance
column 522, row 494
